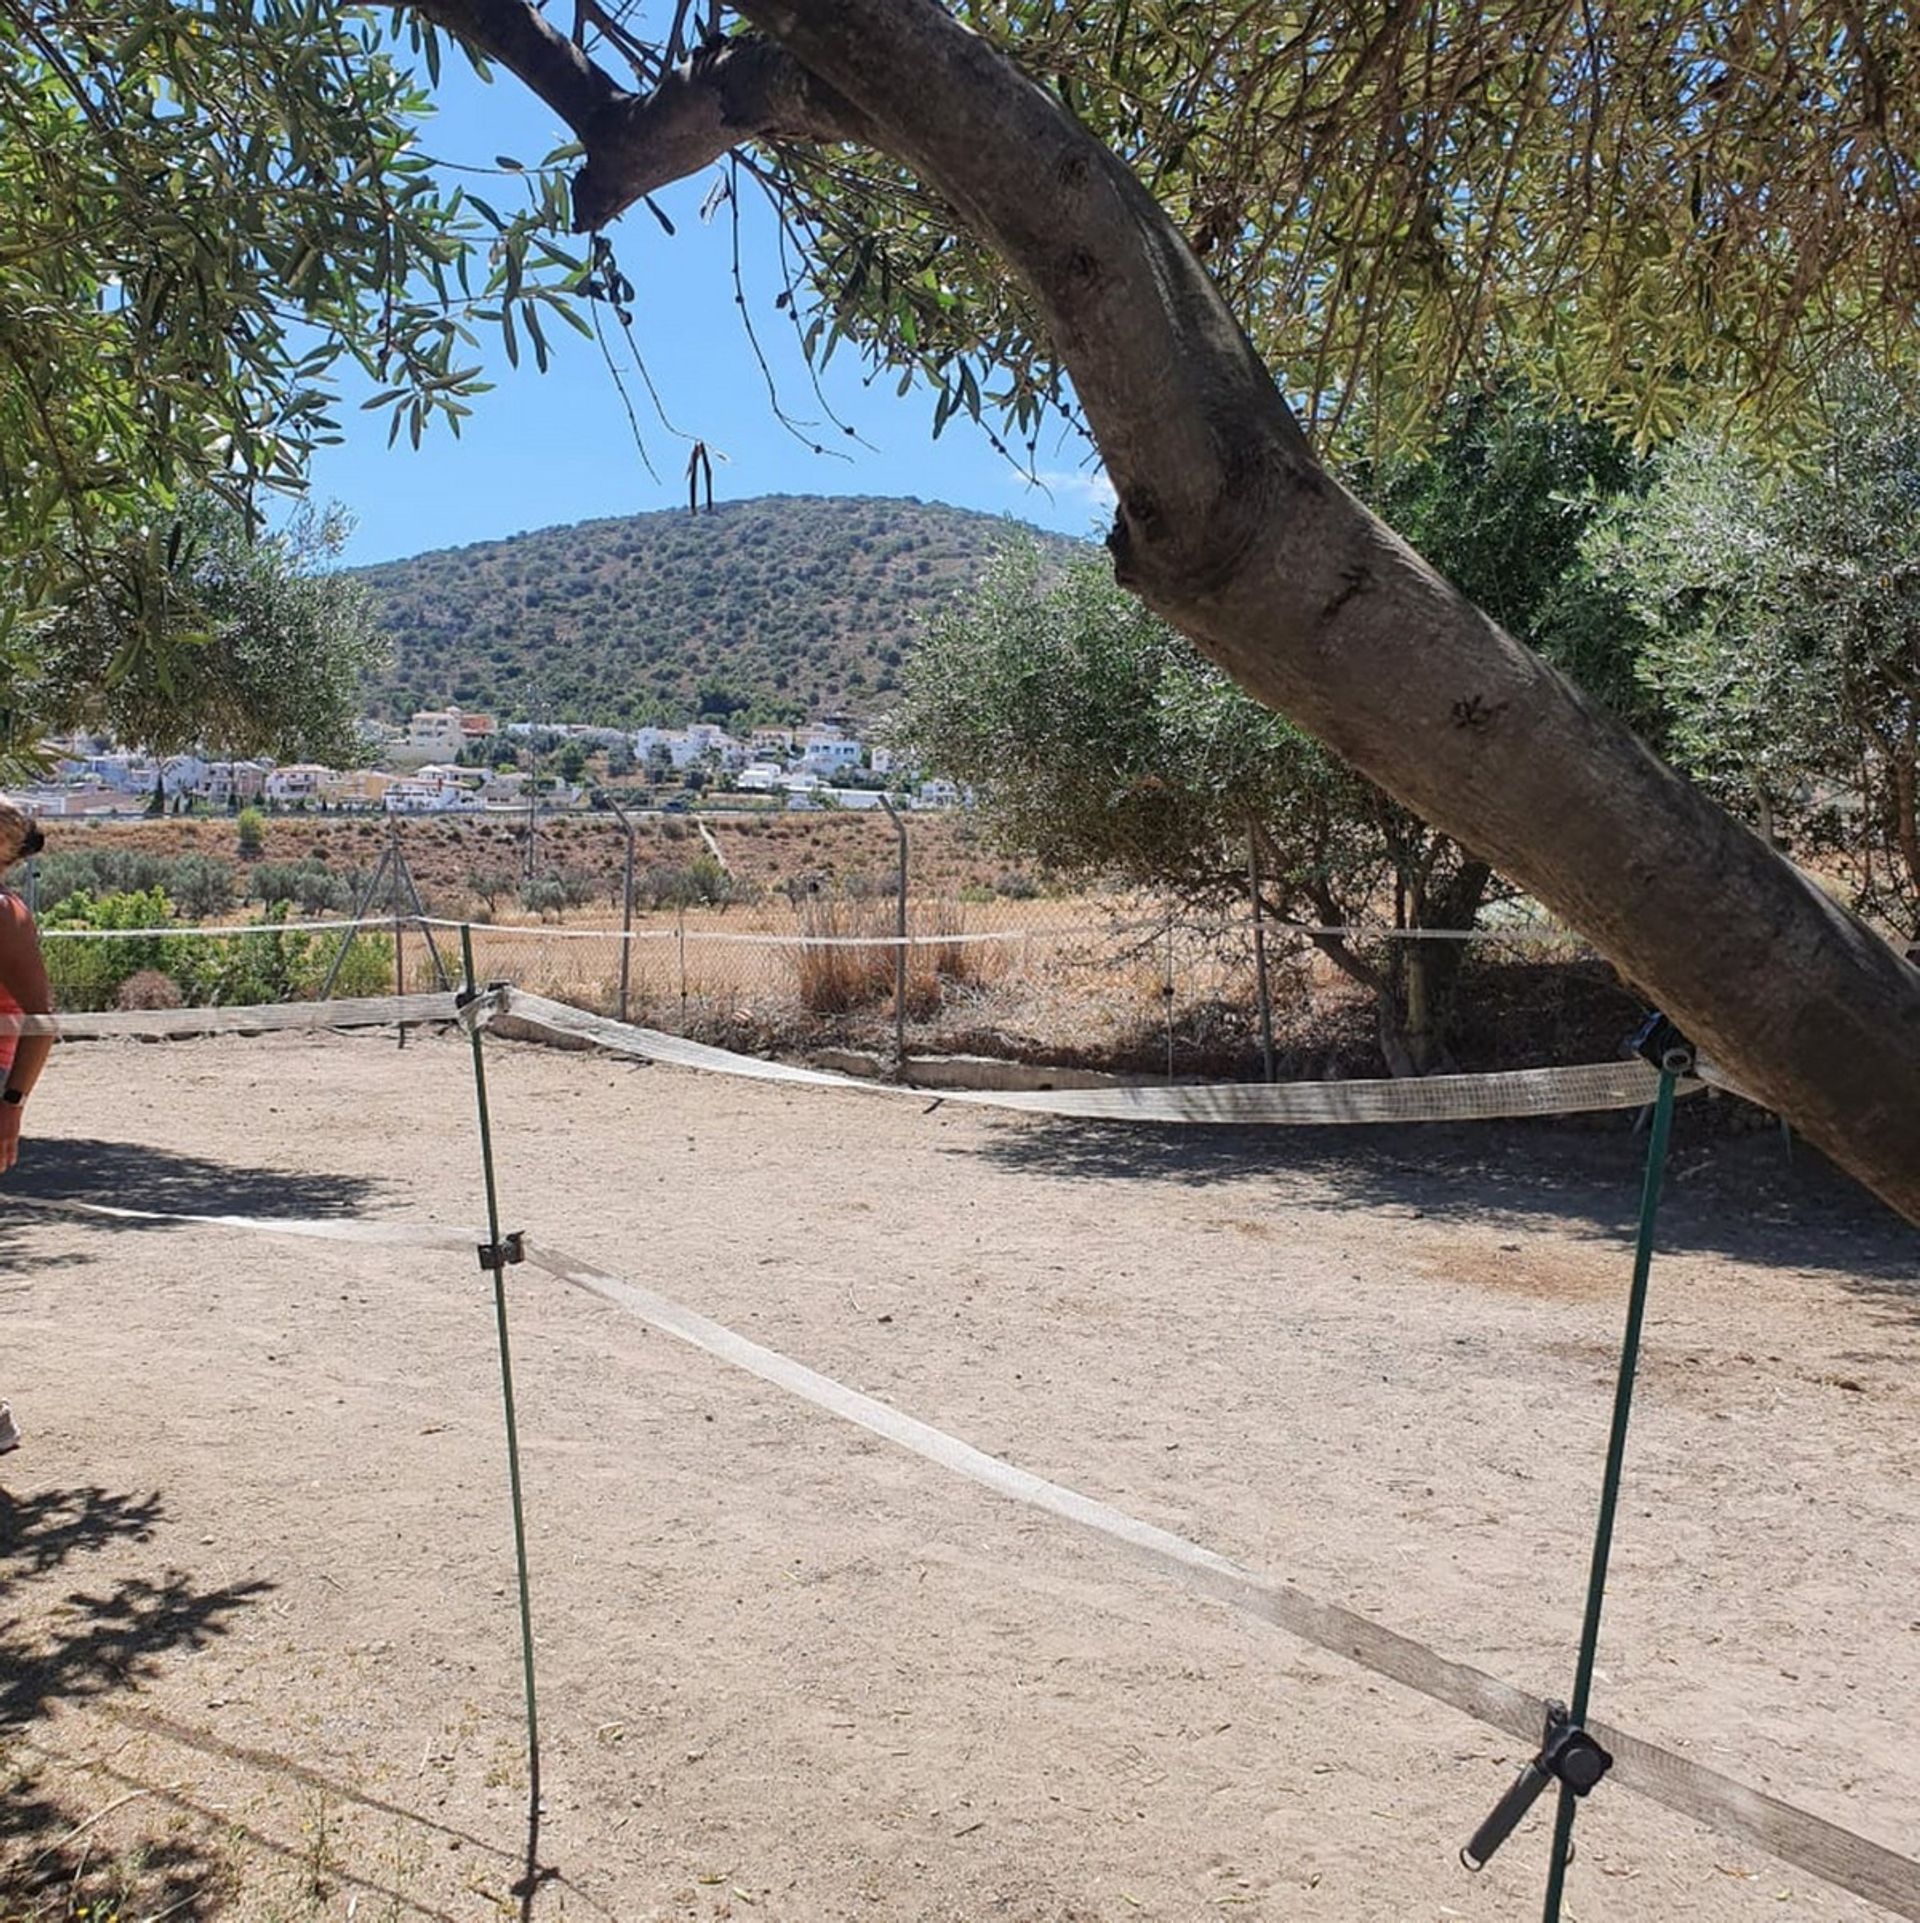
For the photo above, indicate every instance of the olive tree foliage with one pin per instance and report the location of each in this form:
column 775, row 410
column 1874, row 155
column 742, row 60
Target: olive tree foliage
column 1102, row 743
column 1781, row 607
column 1500, row 491
column 208, row 213
column 1661, row 210
column 251, row 644
column 1099, row 743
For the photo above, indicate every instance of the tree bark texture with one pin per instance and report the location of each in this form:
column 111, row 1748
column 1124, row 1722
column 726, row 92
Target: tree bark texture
column 1230, row 529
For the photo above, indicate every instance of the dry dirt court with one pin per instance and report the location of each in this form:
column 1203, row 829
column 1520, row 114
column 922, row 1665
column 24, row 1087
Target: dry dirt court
column 258, row 1649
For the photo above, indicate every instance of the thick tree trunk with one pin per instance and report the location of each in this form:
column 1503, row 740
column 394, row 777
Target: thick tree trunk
column 1904, row 764
column 1428, row 970
column 1228, row 527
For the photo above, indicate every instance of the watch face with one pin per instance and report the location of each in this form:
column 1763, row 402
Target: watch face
column 12, row 1096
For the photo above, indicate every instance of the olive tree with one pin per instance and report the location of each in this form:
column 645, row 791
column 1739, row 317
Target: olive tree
column 1661, row 202
column 1782, row 612
column 1100, row 743
column 202, row 633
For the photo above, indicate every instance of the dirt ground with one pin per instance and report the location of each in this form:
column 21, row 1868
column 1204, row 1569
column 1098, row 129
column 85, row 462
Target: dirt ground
column 258, row 1643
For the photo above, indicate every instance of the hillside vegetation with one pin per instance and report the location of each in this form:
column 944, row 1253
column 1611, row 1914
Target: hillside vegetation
column 781, row 608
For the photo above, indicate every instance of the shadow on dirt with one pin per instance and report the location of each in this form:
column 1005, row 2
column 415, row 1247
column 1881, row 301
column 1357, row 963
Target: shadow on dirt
column 1753, row 1197
column 92, row 1643
column 137, row 1175
column 55, row 1859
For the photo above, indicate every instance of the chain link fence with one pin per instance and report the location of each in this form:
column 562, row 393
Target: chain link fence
column 815, row 958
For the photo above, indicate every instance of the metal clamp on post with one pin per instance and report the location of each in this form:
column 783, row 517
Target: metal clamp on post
column 470, row 1003
column 502, row 1254
column 1658, row 1041
column 1568, row 1755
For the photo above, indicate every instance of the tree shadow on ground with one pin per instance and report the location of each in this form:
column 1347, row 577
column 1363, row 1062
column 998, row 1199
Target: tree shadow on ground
column 1748, row 1196
column 55, row 1864
column 89, row 1836
column 138, row 1175
column 91, row 1644
column 54, row 1858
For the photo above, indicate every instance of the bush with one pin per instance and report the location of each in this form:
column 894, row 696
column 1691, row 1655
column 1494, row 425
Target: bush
column 309, row 884
column 65, row 873
column 366, row 969
column 200, row 887
column 251, row 833
column 87, row 974
column 148, row 989
column 543, row 896
column 842, row 975
column 274, row 964
column 848, row 974
column 700, row 883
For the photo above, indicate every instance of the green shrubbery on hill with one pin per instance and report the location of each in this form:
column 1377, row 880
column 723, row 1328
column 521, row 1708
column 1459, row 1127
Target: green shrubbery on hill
column 782, row 608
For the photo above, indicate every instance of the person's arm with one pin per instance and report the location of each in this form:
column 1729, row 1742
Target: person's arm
column 24, row 975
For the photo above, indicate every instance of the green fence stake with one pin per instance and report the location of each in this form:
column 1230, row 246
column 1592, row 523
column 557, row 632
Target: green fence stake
column 1569, row 1753
column 495, row 1257
column 1610, row 1483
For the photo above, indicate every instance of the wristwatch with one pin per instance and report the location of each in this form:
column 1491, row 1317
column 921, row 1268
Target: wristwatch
column 13, row 1097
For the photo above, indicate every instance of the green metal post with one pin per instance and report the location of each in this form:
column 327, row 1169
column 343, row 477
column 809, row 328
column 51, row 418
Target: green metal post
column 498, row 1266
column 1610, row 1485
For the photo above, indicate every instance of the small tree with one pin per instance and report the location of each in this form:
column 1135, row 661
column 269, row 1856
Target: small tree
column 1099, row 743
column 263, row 650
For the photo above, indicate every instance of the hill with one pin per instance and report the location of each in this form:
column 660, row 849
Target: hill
column 780, row 608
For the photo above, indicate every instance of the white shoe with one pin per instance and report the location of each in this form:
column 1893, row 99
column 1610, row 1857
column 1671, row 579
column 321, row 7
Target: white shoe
column 9, row 1430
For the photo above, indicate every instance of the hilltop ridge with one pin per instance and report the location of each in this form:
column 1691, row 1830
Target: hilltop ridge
column 776, row 608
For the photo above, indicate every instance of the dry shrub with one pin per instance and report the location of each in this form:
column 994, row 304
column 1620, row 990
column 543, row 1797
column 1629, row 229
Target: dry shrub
column 836, row 978
column 148, row 988
column 954, row 960
column 848, row 974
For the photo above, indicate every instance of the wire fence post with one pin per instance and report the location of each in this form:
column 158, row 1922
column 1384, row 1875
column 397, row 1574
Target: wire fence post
column 399, row 952
column 626, row 904
column 1166, row 994
column 899, row 946
column 354, row 921
column 1261, row 990
column 495, row 1257
column 680, row 939
column 1569, row 1753
column 1610, row 1481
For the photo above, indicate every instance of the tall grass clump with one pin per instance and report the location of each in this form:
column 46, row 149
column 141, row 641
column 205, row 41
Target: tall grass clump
column 853, row 969
column 844, row 973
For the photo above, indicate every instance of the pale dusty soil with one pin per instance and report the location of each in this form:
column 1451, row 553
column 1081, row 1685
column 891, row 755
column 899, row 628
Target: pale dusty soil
column 258, row 1572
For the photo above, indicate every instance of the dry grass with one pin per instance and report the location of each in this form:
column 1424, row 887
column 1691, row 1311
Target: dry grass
column 837, row 972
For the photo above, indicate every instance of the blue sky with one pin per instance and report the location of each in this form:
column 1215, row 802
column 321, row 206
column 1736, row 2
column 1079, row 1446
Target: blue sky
column 543, row 449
